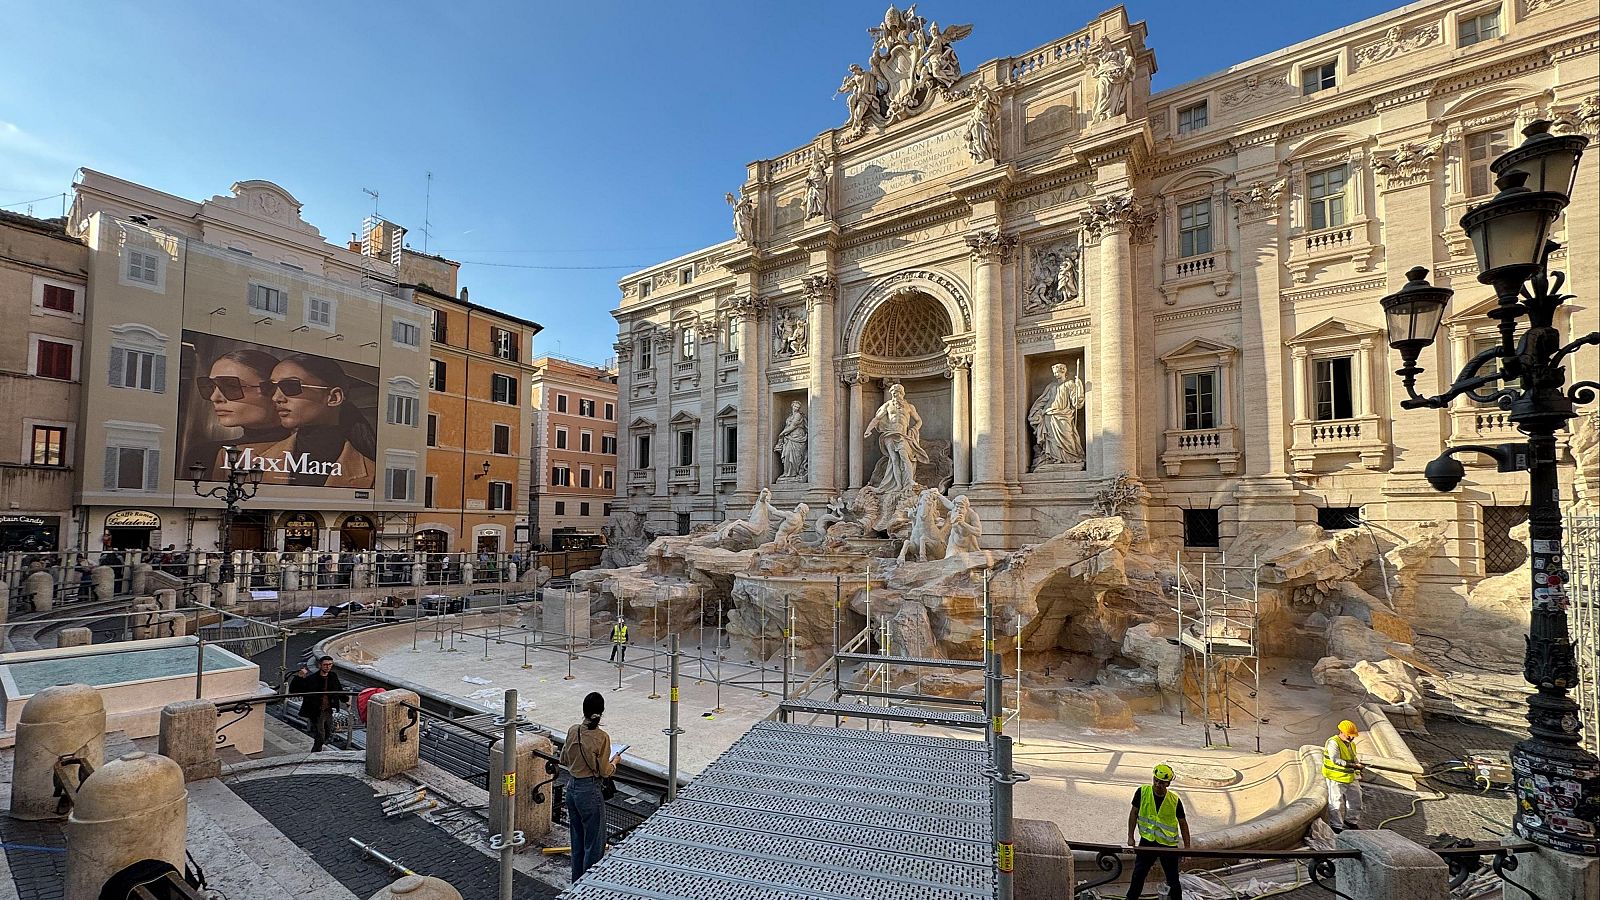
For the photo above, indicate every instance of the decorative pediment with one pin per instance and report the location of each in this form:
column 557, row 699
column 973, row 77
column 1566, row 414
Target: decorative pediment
column 684, row 419
column 1199, row 348
column 265, row 200
column 1476, row 312
column 1333, row 329
column 641, row 424
column 727, row 412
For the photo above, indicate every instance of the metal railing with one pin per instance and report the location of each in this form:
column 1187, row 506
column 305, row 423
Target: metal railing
column 240, row 710
column 1108, row 860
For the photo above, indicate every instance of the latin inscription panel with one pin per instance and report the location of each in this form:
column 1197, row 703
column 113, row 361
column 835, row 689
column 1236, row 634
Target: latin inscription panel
column 903, row 167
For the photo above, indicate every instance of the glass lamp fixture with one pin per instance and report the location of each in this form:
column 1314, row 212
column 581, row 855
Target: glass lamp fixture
column 1551, row 161
column 1414, row 313
column 1508, row 233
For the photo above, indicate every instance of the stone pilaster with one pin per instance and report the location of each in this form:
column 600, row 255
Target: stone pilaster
column 662, row 449
column 748, row 310
column 990, row 249
column 959, row 371
column 821, row 384
column 858, row 423
column 625, row 448
column 1115, row 222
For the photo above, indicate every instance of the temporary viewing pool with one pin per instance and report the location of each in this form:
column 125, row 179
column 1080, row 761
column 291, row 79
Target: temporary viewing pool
column 136, row 679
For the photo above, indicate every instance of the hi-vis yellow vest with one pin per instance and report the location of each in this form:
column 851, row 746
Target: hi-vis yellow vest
column 619, row 634
column 1344, row 752
column 1159, row 824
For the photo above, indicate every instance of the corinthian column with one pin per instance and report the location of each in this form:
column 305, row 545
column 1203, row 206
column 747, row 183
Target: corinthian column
column 989, row 250
column 853, row 439
column 960, row 372
column 1113, row 222
column 749, row 312
column 822, row 383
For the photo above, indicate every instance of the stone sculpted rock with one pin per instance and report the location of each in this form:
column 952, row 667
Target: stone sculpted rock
column 1055, row 418
column 792, row 445
column 900, row 427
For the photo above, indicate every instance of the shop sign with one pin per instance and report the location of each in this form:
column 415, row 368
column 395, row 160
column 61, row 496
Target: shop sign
column 358, row 523
column 133, row 518
column 300, row 525
column 34, row 521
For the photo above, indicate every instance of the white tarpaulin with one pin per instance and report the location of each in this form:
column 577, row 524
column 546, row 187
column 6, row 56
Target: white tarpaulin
column 314, row 612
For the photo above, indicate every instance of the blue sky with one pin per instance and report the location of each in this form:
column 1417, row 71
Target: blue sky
column 586, row 138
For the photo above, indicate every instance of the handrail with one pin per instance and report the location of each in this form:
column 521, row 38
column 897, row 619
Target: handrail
column 493, row 737
column 1464, row 861
column 1108, row 859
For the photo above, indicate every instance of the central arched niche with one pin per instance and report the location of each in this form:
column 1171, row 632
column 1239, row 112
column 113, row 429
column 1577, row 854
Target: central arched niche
column 904, row 341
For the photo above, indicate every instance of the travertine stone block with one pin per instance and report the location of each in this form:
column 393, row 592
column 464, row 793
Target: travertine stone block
column 393, row 741
column 189, row 738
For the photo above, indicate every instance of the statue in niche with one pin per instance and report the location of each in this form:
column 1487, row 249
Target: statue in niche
column 1113, row 70
column 1055, row 277
column 744, row 217
column 983, row 125
column 789, row 334
column 791, row 447
column 1054, row 417
column 900, row 437
column 817, row 187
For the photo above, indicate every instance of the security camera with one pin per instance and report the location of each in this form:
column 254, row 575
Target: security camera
column 1445, row 474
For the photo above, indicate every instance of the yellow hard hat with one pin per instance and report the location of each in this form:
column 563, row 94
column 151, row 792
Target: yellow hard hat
column 1348, row 727
column 1163, row 772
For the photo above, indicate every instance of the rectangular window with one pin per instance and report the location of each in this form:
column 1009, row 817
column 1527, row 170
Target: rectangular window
column 561, row 403
column 683, row 523
column 608, row 444
column 49, row 445
column 686, row 274
column 399, row 483
column 561, row 439
column 608, row 479
column 685, row 448
column 1482, row 148
column 402, row 410
column 642, row 458
column 267, row 299
column 1502, row 550
column 1192, row 118
column 561, row 507
column 441, row 327
column 505, row 344
column 1199, row 400
column 503, row 389
column 647, row 357
column 611, row 412
column 433, row 430
column 644, row 288
column 733, row 335
column 132, row 469
column 1319, row 77
column 59, row 299
column 142, row 266
column 688, row 343
column 407, row 333
column 586, row 441
column 436, row 375
column 583, row 509
column 1200, row 528
column 1194, row 228
column 1335, row 398
column 427, row 492
column 319, row 312
column 138, row 369
column 730, row 444
column 607, row 509
column 53, row 360
column 502, row 439
column 1326, row 197
column 585, row 478
column 586, row 408
column 1482, row 27
column 561, row 476
column 1338, row 518
column 499, row 495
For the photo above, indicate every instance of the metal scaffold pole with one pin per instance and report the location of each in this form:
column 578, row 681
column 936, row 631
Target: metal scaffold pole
column 673, row 730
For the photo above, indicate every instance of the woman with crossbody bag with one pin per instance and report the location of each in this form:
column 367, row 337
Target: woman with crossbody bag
column 588, row 758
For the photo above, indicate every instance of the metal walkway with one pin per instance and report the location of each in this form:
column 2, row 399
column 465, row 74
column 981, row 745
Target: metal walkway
column 801, row 811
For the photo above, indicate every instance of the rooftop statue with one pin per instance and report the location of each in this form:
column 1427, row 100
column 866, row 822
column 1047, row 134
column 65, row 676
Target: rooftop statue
column 910, row 62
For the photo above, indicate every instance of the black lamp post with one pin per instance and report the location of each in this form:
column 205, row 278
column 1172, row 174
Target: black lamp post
column 241, row 485
column 1557, row 781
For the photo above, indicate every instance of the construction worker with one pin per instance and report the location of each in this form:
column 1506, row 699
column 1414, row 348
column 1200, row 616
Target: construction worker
column 1158, row 818
column 1341, row 768
column 619, row 639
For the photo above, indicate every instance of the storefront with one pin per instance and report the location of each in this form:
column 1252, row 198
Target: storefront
column 355, row 533
column 249, row 531
column 30, row 533
column 488, row 538
column 301, row 531
column 132, row 529
column 431, row 540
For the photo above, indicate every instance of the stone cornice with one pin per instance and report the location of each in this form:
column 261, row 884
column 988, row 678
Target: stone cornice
column 1045, row 331
column 1499, row 70
column 1334, row 290
column 1198, row 312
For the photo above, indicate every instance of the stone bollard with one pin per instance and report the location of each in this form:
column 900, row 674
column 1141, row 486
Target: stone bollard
column 361, row 576
column 167, row 599
column 202, row 593
column 533, row 819
column 140, row 582
column 466, row 574
column 133, row 810
column 291, row 578
column 418, row 887
column 1390, row 868
column 143, row 620
column 172, row 624
column 1044, row 867
column 68, row 720
column 509, row 573
column 41, row 590
column 74, row 637
column 227, row 595
column 213, row 571
column 419, row 575
column 393, row 735
column 189, row 738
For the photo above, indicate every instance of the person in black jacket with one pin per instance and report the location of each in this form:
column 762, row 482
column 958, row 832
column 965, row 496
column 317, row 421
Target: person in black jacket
column 321, row 693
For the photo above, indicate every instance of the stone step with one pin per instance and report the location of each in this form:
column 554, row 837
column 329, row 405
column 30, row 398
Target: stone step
column 912, row 714
column 973, row 664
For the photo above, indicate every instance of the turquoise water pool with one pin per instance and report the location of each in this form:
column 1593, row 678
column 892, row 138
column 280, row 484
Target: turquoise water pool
column 115, row 668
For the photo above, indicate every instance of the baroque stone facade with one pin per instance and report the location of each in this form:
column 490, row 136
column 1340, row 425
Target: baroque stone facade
column 1209, row 258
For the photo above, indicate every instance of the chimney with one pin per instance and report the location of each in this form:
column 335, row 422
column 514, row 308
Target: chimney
column 464, row 294
column 355, row 243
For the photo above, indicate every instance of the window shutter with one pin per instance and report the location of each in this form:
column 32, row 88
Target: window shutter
column 158, row 381
column 394, row 331
column 514, row 347
column 443, row 369
column 112, row 454
column 280, row 302
column 114, row 377
column 411, row 483
column 390, row 407
column 152, row 469
column 511, row 390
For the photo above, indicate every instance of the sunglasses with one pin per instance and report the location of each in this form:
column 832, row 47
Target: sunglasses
column 291, row 387
column 229, row 386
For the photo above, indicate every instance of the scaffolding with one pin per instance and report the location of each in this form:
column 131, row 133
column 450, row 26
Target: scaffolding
column 1582, row 545
column 1218, row 609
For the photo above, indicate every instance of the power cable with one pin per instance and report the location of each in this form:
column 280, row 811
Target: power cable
column 34, row 200
column 469, row 262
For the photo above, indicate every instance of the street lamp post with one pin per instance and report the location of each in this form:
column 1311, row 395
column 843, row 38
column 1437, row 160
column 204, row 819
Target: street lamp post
column 1557, row 781
column 241, row 485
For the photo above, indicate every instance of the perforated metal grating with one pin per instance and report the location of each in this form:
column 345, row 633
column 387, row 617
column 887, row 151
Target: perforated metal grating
column 796, row 811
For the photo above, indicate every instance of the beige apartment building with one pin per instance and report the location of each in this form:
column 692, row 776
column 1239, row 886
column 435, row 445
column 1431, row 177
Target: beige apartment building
column 1197, row 271
column 43, row 276
column 231, row 321
column 480, row 416
column 574, row 451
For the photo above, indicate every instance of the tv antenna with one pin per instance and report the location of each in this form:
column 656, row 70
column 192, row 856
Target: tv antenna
column 374, row 195
column 427, row 205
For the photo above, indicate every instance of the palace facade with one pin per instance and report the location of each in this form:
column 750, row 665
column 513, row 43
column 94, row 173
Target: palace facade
column 1205, row 263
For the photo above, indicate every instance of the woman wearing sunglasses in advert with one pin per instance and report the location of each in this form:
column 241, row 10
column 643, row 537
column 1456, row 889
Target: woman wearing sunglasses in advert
column 236, row 389
column 331, row 442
